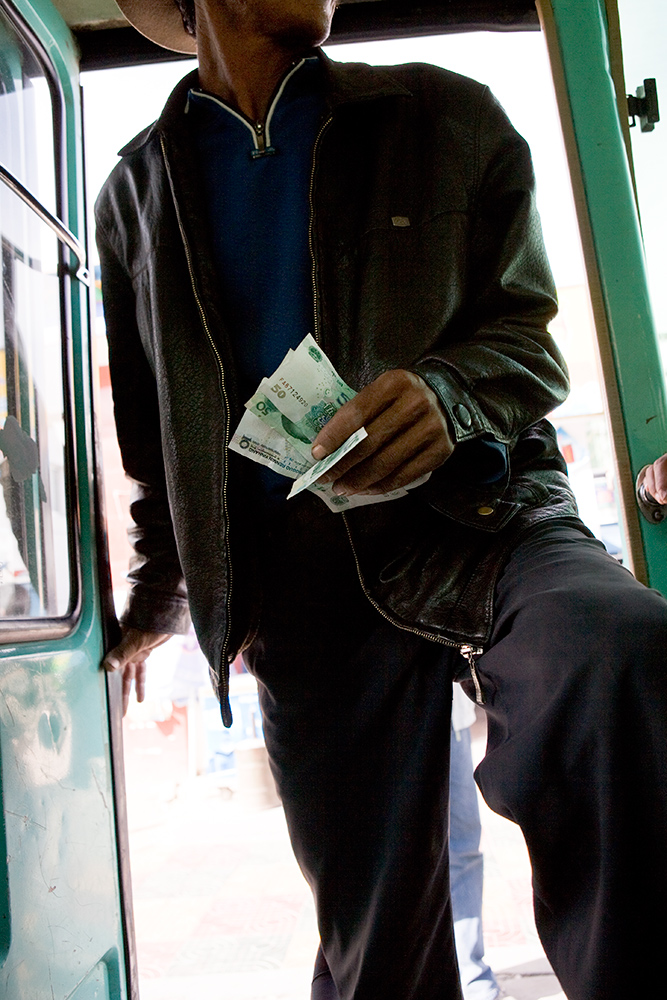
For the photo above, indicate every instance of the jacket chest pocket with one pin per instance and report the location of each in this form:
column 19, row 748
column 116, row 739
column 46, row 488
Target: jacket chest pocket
column 411, row 277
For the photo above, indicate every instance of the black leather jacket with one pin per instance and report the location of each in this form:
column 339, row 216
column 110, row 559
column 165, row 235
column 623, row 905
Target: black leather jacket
column 427, row 255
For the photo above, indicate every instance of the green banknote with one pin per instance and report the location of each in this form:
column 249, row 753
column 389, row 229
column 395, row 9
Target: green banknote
column 301, row 433
column 304, row 379
column 307, row 478
column 261, row 443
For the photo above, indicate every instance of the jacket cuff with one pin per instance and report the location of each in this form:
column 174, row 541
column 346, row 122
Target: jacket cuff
column 465, row 418
column 154, row 613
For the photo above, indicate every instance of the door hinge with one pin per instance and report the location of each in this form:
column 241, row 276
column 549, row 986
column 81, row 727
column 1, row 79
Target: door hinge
column 644, row 105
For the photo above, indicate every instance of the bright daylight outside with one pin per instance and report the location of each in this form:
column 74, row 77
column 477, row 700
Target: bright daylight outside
column 221, row 908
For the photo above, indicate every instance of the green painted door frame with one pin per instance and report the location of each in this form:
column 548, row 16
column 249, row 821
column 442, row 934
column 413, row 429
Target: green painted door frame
column 578, row 37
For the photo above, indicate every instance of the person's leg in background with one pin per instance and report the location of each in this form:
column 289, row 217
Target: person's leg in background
column 466, row 864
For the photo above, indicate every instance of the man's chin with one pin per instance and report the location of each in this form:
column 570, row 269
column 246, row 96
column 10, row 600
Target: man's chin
column 303, row 26
column 300, row 38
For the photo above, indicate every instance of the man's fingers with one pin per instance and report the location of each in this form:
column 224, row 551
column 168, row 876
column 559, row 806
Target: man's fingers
column 656, row 479
column 385, row 470
column 402, row 402
column 378, row 437
column 363, row 409
column 134, row 672
column 407, row 473
column 129, row 647
column 130, row 656
column 351, row 416
column 136, row 645
column 389, row 447
column 415, row 450
column 411, row 433
column 128, row 677
column 140, row 680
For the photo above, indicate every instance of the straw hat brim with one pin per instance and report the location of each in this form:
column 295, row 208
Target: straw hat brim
column 161, row 21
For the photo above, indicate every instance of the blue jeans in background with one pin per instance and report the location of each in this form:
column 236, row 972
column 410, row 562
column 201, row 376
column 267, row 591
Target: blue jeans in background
column 466, row 870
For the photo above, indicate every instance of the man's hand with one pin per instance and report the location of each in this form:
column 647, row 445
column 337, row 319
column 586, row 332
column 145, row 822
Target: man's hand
column 655, row 480
column 408, row 436
column 130, row 656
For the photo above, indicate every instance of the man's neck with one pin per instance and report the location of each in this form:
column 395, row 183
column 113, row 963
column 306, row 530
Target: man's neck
column 243, row 69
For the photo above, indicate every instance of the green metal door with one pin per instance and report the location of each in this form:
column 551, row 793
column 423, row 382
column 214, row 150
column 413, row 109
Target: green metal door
column 583, row 39
column 61, row 914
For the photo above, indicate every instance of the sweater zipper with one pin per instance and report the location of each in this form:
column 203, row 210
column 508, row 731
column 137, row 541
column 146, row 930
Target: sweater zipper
column 260, row 131
column 225, row 507
column 260, row 137
column 466, row 650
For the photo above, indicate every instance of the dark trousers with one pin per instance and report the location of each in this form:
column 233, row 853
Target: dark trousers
column 357, row 725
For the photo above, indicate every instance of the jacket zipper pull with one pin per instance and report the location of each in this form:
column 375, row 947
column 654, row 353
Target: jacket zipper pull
column 470, row 652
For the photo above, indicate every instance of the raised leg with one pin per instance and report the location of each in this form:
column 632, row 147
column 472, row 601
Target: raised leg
column 576, row 697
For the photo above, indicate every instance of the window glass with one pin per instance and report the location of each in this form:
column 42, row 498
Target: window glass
column 34, row 548
column 644, row 29
column 26, row 117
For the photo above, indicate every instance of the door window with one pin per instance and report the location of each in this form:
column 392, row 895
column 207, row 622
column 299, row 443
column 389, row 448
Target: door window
column 35, row 577
column 27, row 139
column 644, row 29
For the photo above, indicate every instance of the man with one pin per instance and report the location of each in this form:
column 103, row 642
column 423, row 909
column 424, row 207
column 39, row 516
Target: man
column 391, row 214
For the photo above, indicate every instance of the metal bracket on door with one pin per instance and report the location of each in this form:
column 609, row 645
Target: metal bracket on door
column 644, row 106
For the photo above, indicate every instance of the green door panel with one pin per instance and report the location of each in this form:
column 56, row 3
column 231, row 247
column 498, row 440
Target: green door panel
column 576, row 32
column 60, row 840
column 5, row 916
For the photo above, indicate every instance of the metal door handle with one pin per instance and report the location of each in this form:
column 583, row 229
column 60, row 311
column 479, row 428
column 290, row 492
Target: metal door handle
column 648, row 505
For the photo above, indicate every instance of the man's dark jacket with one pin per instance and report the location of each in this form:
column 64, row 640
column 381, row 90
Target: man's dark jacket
column 427, row 255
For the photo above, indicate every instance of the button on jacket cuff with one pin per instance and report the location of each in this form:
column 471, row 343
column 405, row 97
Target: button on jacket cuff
column 465, row 417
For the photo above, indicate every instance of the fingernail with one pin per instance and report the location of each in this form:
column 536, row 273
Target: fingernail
column 111, row 663
column 319, row 452
column 326, row 479
column 340, row 491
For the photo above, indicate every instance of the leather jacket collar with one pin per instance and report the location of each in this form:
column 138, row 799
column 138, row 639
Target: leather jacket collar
column 346, row 83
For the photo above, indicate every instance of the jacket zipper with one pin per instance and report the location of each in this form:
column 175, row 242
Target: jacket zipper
column 465, row 649
column 311, row 225
column 207, row 331
column 470, row 652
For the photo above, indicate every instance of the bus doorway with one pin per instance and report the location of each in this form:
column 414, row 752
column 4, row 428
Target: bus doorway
column 65, row 907
column 245, row 951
